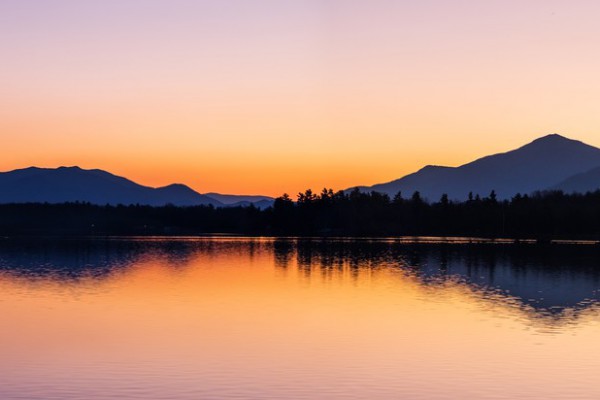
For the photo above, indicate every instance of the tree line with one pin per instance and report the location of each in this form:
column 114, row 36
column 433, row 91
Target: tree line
column 541, row 215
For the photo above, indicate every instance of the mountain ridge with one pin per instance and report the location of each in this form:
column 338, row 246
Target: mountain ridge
column 551, row 162
column 96, row 186
column 580, row 183
column 538, row 165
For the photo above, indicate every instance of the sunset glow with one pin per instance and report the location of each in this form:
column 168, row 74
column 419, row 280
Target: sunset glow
column 214, row 317
column 277, row 96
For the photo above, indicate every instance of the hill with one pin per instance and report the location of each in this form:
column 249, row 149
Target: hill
column 539, row 165
column 70, row 184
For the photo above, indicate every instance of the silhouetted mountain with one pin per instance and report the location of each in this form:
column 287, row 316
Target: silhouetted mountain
column 234, row 200
column 588, row 181
column 69, row 184
column 539, row 165
column 261, row 204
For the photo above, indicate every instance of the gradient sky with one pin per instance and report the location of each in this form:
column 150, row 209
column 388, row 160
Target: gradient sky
column 276, row 96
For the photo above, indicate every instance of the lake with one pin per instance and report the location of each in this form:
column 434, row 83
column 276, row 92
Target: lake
column 256, row 318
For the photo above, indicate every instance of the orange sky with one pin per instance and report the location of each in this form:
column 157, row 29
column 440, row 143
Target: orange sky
column 277, row 96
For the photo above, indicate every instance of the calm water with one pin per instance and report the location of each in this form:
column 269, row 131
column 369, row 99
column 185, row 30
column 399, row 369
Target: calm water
column 228, row 318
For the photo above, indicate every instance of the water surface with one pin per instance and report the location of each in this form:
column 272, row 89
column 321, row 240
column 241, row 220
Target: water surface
column 239, row 318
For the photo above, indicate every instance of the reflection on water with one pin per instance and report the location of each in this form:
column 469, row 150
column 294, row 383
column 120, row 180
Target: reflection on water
column 556, row 282
column 556, row 279
column 290, row 318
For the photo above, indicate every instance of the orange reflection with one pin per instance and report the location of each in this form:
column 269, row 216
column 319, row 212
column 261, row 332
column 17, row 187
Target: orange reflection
column 237, row 314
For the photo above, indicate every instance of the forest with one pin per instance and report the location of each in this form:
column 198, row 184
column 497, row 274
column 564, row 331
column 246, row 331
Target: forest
column 541, row 216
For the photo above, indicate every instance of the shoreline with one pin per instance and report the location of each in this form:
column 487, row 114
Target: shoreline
column 451, row 240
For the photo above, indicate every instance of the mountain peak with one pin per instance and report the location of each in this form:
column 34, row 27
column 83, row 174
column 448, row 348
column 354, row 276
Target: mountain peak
column 73, row 183
column 554, row 138
column 178, row 187
column 537, row 165
column 556, row 143
column 431, row 167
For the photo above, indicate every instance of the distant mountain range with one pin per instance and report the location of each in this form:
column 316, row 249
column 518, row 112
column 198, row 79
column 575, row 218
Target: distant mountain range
column 69, row 184
column 233, row 200
column 551, row 162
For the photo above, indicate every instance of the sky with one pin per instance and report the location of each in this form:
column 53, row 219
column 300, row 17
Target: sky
column 274, row 96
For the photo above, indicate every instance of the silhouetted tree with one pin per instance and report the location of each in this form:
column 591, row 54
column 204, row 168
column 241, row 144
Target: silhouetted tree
column 444, row 200
column 541, row 215
column 398, row 198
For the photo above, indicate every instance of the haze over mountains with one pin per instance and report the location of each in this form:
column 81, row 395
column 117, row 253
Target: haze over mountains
column 69, row 184
column 552, row 162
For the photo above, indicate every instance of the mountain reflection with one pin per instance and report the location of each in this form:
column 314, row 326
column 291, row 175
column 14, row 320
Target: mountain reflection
column 71, row 260
column 554, row 281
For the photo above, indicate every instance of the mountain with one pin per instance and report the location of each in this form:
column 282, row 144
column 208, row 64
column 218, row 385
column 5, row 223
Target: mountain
column 539, row 165
column 588, row 181
column 261, row 204
column 552, row 162
column 234, row 200
column 95, row 186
